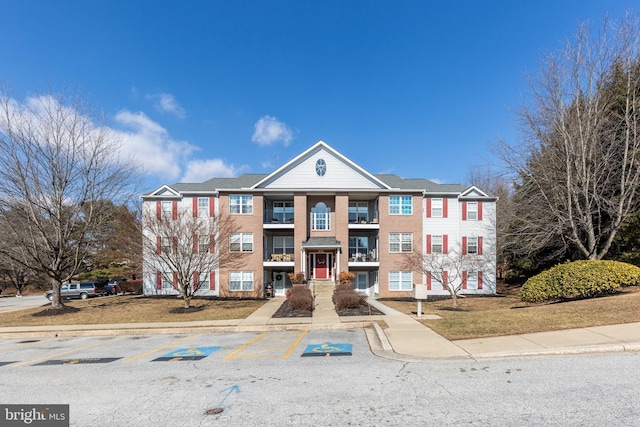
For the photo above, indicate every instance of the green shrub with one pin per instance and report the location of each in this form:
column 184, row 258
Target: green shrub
column 579, row 279
column 300, row 298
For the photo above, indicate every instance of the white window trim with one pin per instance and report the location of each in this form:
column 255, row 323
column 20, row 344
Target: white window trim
column 402, row 279
column 245, row 277
column 472, row 279
column 469, row 240
column 437, row 208
column 245, row 238
column 403, row 239
column 203, row 206
column 472, row 214
column 434, row 244
column 243, row 203
column 400, row 204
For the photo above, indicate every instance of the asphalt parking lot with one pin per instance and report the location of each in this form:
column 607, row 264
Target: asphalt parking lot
column 121, row 350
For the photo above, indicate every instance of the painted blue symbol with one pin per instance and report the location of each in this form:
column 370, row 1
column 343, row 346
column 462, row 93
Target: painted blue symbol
column 327, row 349
column 191, row 353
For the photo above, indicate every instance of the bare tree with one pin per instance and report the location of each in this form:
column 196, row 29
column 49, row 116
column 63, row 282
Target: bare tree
column 184, row 248
column 59, row 169
column 451, row 269
column 577, row 168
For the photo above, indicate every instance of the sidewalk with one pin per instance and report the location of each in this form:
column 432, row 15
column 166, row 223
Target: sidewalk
column 393, row 335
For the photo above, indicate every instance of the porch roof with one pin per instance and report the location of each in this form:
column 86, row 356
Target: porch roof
column 321, row 243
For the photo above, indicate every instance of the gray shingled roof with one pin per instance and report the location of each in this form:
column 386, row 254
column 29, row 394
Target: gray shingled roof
column 248, row 180
column 321, row 242
column 394, row 181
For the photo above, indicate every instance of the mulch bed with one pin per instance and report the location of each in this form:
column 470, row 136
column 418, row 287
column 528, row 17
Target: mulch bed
column 50, row 312
column 285, row 311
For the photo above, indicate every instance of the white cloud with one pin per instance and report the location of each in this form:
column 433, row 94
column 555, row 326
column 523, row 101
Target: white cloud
column 202, row 170
column 166, row 103
column 268, row 130
column 151, row 144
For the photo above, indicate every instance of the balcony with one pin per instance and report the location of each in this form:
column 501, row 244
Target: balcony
column 277, row 219
column 361, row 256
column 279, row 260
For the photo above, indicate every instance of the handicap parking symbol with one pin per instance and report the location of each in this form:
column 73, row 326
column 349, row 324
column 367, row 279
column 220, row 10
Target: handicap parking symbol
column 191, row 353
column 327, row 349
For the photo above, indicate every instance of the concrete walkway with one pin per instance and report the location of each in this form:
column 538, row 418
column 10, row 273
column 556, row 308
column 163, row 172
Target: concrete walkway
column 393, row 335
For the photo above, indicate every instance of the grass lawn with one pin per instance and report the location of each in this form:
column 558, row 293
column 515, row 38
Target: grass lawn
column 133, row 309
column 505, row 314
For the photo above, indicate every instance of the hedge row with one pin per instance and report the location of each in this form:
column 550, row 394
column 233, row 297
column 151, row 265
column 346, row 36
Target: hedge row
column 579, row 279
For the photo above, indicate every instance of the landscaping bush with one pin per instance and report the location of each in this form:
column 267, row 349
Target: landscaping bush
column 579, row 279
column 345, row 297
column 132, row 286
column 300, row 298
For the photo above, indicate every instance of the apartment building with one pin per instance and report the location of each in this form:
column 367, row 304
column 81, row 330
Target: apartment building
column 321, row 214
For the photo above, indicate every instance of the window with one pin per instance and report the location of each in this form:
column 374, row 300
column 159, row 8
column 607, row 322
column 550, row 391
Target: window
column 201, row 281
column 472, row 280
column 358, row 247
column 400, row 242
column 472, row 245
column 436, row 284
column 400, row 205
column 400, row 280
column 283, row 244
column 203, row 206
column 283, row 211
column 436, row 208
column 241, row 281
column 167, row 209
column 166, row 283
column 321, row 217
column 166, row 245
column 436, row 245
column 361, row 281
column 241, row 204
column 204, row 243
column 472, row 210
column 241, row 242
column 358, row 212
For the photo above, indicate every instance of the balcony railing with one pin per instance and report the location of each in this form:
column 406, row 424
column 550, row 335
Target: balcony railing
column 277, row 217
column 363, row 256
column 281, row 258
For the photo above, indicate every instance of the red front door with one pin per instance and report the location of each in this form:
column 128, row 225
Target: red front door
column 321, row 266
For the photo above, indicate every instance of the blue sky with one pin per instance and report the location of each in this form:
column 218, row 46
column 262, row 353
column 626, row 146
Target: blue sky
column 202, row 89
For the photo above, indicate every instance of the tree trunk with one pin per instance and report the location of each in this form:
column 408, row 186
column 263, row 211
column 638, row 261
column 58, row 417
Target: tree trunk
column 56, row 301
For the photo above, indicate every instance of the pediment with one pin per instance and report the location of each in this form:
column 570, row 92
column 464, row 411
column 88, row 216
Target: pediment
column 164, row 191
column 474, row 192
column 321, row 167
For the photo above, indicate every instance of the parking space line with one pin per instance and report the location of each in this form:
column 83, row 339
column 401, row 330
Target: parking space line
column 161, row 348
column 50, row 356
column 260, row 346
column 29, row 344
